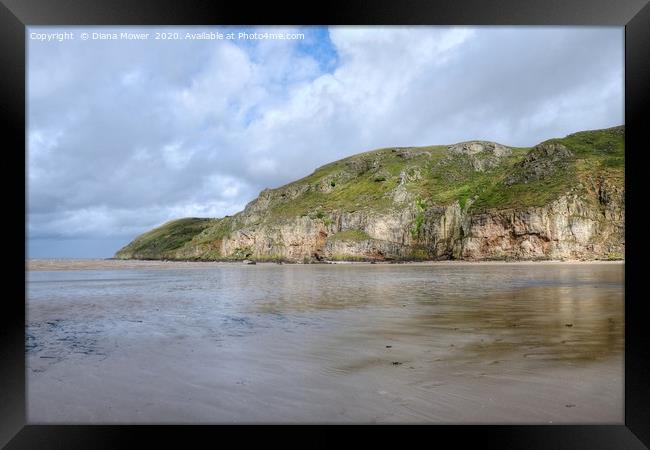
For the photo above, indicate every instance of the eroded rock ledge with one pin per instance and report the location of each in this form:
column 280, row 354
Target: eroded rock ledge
column 476, row 200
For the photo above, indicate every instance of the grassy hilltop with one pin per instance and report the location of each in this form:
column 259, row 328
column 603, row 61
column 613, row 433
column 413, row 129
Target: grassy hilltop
column 342, row 198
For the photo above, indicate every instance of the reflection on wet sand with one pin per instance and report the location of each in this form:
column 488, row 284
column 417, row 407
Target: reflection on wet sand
column 556, row 315
column 517, row 343
column 549, row 323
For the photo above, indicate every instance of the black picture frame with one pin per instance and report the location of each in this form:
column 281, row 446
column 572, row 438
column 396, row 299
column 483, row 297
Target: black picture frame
column 15, row 15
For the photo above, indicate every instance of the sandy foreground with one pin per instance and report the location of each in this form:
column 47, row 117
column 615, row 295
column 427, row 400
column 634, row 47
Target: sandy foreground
column 135, row 387
column 160, row 350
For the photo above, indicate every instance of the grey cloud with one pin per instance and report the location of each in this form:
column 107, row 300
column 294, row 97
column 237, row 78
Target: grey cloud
column 124, row 136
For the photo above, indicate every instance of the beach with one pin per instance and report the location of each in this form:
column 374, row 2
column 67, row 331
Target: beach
column 112, row 341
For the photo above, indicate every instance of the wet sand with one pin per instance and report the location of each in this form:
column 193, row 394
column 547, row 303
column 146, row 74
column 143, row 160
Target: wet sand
column 425, row 343
column 117, row 264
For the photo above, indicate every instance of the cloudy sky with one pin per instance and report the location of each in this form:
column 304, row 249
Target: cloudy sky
column 124, row 135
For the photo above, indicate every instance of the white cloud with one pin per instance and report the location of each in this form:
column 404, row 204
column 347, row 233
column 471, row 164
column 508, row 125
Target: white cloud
column 176, row 156
column 124, row 136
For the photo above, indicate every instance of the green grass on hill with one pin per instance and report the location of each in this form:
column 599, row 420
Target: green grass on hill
column 596, row 154
column 349, row 235
column 365, row 181
column 430, row 176
column 163, row 240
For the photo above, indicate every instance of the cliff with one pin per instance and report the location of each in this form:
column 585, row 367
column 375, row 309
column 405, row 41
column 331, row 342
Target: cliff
column 477, row 200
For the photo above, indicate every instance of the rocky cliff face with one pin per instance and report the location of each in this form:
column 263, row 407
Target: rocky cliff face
column 562, row 199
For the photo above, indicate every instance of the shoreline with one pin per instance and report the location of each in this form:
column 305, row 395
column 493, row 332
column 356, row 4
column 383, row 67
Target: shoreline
column 224, row 343
column 43, row 264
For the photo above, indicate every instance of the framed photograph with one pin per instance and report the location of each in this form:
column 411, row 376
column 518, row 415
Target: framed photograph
column 399, row 214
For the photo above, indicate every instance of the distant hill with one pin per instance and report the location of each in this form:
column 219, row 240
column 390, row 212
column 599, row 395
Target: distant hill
column 477, row 200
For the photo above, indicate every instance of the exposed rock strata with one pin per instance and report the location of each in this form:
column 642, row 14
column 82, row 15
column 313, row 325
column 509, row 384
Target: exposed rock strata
column 571, row 227
column 584, row 220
